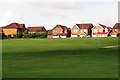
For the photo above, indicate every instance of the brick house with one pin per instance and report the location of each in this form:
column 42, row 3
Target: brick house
column 35, row 29
column 101, row 31
column 81, row 30
column 116, row 30
column 13, row 29
column 49, row 34
column 1, row 32
column 59, row 31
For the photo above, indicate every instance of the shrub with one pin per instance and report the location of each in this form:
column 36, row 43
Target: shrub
column 26, row 36
column 41, row 35
column 4, row 36
column 18, row 35
column 33, row 35
column 1, row 36
column 9, row 36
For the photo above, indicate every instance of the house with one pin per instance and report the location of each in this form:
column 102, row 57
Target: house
column 13, row 29
column 1, row 32
column 35, row 29
column 101, row 31
column 59, row 31
column 116, row 30
column 81, row 30
column 49, row 34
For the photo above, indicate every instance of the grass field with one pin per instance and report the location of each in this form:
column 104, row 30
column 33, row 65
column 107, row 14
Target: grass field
column 60, row 58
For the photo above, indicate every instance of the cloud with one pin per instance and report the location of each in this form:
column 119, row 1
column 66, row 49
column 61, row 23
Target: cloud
column 9, row 17
column 66, row 5
column 51, row 13
column 53, row 9
column 5, row 18
column 38, row 0
column 58, row 1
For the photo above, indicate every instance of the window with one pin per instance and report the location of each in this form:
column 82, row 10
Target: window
column 101, row 30
column 65, row 31
column 95, row 30
column 55, row 31
column 115, row 29
column 106, row 30
column 75, row 30
column 85, row 30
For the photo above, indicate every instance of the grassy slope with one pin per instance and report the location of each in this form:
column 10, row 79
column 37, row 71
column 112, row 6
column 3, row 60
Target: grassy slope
column 66, row 58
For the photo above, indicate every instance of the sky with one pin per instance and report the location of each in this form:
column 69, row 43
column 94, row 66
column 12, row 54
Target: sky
column 49, row 13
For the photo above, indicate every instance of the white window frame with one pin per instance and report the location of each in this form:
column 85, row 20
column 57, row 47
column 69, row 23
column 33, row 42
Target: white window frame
column 101, row 30
column 106, row 30
column 115, row 29
column 75, row 30
column 95, row 30
column 65, row 31
column 85, row 30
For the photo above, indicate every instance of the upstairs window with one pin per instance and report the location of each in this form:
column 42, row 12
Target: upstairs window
column 115, row 29
column 95, row 30
column 106, row 30
column 101, row 30
column 85, row 30
column 75, row 31
column 55, row 31
column 64, row 31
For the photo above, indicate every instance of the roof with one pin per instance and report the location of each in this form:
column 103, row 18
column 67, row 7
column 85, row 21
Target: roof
column 109, row 28
column 15, row 25
column 36, row 28
column 102, row 32
column 69, row 29
column 63, row 27
column 104, row 26
column 61, row 34
column 84, row 26
column 22, row 26
column 116, row 26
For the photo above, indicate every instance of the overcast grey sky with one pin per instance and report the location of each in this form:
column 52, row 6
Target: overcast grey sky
column 48, row 13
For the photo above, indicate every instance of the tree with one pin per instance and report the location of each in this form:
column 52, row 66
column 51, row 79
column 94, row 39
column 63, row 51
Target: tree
column 4, row 36
column 1, row 36
column 40, row 34
column 26, row 34
column 43, row 35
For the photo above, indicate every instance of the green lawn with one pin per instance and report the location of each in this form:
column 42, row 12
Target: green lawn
column 60, row 58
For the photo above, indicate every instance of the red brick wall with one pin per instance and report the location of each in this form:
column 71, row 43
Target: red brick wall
column 49, row 36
